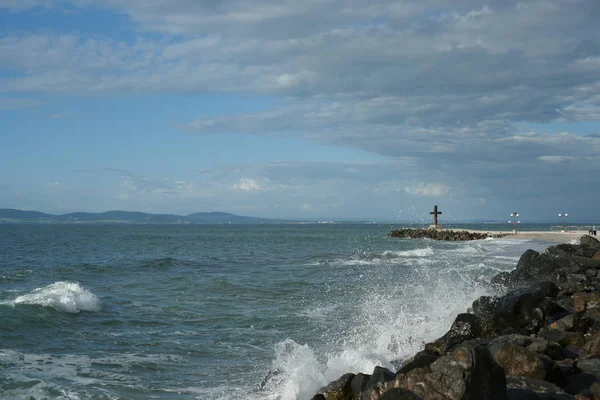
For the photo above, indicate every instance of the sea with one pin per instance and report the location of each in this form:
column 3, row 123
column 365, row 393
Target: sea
column 225, row 312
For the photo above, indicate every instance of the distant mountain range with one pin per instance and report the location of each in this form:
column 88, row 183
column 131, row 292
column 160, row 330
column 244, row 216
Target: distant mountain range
column 9, row 215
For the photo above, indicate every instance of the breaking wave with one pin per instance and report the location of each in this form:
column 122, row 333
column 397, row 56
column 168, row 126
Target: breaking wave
column 69, row 297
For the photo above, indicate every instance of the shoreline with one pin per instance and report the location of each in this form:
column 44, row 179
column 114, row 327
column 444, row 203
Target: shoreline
column 546, row 236
column 540, row 340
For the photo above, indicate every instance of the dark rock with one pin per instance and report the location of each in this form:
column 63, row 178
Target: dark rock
column 532, row 268
column 589, row 321
column 485, row 306
column 525, row 309
column 568, row 288
column 468, row 372
column 358, row 384
column 590, row 366
column 589, row 241
column 518, row 361
column 420, row 360
column 554, row 373
column 520, row 387
column 399, row 394
column 440, row 234
column 592, row 345
column 590, row 273
column 563, row 338
column 503, row 279
column 583, row 384
column 563, row 324
column 270, row 377
column 465, row 327
column 585, row 301
column 339, row 389
column 376, row 384
column 565, row 302
column 319, row 396
column 516, row 339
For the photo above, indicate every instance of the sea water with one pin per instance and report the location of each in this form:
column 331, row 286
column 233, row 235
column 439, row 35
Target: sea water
column 207, row 312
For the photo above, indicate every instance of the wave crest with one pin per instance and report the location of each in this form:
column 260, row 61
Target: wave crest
column 68, row 297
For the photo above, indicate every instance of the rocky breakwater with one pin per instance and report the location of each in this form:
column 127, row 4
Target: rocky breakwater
column 541, row 340
column 440, row 234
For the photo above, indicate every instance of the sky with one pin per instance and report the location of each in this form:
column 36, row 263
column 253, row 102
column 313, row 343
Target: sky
column 314, row 109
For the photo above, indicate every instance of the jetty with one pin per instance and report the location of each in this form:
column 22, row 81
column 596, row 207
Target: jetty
column 442, row 234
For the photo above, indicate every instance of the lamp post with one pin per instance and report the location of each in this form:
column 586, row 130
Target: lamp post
column 563, row 216
column 514, row 221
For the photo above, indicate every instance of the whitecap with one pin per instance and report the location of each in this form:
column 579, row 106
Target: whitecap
column 69, row 297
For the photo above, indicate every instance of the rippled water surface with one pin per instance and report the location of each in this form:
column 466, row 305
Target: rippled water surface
column 205, row 312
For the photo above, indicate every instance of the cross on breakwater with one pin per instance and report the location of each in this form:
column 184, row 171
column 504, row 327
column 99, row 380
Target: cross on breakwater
column 435, row 213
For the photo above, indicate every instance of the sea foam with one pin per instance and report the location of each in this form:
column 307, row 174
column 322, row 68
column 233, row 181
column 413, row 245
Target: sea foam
column 68, row 297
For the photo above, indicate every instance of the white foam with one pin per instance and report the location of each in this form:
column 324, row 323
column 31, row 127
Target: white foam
column 69, row 297
column 392, row 315
column 427, row 251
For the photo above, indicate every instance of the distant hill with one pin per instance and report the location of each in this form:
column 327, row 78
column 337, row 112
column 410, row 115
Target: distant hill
column 8, row 215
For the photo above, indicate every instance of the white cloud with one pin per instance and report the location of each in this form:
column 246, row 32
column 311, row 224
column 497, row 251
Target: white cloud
column 246, row 185
column 555, row 159
column 428, row 189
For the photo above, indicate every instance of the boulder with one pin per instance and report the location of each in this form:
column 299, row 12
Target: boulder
column 585, row 301
column 358, row 384
column 592, row 345
column 339, row 389
column 589, row 241
column 521, row 387
column 485, row 306
column 468, row 372
column 420, row 360
column 465, row 327
column 399, row 394
column 377, row 383
column 563, row 324
column 518, row 361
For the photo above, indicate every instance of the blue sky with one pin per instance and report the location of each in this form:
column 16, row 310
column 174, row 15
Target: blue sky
column 317, row 109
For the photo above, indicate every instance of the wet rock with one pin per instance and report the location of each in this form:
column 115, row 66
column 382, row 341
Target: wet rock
column 563, row 338
column 592, row 345
column 485, row 306
column 440, row 234
column 420, row 360
column 563, row 324
column 271, row 376
column 376, row 384
column 399, row 394
column 518, row 361
column 589, row 241
column 465, row 327
column 585, row 301
column 520, row 387
column 554, row 372
column 339, row 389
column 583, row 385
column 358, row 384
column 468, row 372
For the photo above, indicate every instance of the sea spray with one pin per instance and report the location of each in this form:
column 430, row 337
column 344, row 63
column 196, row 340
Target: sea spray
column 400, row 304
column 68, row 297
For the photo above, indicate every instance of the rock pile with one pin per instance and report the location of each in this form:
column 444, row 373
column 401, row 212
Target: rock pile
column 440, row 234
column 541, row 340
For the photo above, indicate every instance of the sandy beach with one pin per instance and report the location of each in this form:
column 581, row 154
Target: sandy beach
column 549, row 236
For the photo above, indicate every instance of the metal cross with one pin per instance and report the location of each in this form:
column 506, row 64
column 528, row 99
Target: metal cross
column 435, row 213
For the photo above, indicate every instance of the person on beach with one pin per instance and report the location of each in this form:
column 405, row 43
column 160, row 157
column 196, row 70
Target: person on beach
column 594, row 230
